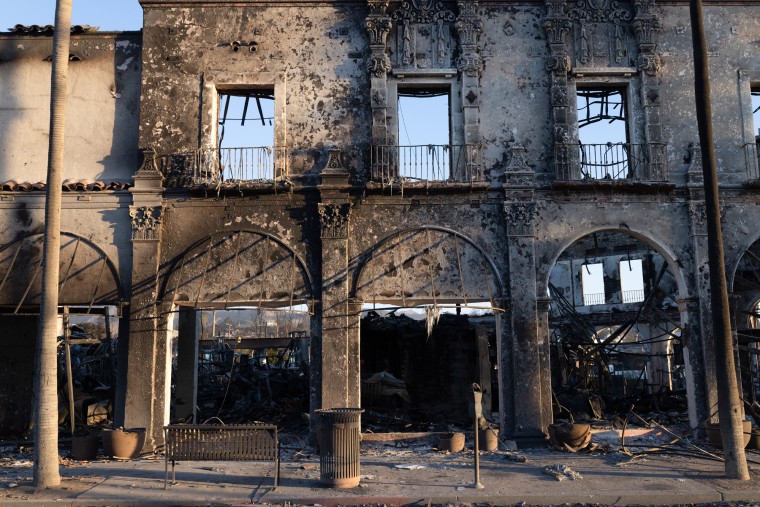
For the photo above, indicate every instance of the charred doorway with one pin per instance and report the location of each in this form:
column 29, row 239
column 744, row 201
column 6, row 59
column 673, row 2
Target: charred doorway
column 240, row 330
column 90, row 299
column 430, row 329
column 746, row 302
column 614, row 330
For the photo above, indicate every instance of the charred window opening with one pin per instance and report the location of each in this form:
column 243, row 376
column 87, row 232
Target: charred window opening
column 603, row 133
column 756, row 124
column 756, row 110
column 246, row 119
column 424, row 151
column 245, row 145
column 631, row 281
column 592, row 280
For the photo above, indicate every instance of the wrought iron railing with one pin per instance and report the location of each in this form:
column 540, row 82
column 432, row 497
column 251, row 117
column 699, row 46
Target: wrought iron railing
column 594, row 299
column 428, row 162
column 218, row 166
column 611, row 161
column 752, row 160
column 632, row 296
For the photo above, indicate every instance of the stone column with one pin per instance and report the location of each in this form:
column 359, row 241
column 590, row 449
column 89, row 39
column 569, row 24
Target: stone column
column 378, row 26
column 696, row 314
column 340, row 381
column 557, row 26
column 531, row 410
column 147, row 376
column 646, row 25
column 469, row 64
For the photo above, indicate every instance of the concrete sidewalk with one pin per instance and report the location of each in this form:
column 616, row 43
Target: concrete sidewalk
column 391, row 475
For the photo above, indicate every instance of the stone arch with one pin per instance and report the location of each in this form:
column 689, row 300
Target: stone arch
column 745, row 269
column 88, row 277
column 242, row 267
column 670, row 258
column 581, row 363
column 450, row 268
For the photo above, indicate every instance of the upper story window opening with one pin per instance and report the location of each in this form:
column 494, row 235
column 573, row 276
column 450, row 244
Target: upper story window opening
column 631, row 281
column 756, row 111
column 592, row 284
column 246, row 119
column 604, row 148
column 245, row 146
column 424, row 134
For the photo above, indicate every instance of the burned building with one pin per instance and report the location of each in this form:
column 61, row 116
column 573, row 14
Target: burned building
column 255, row 154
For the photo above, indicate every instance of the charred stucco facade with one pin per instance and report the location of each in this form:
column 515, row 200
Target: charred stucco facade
column 338, row 224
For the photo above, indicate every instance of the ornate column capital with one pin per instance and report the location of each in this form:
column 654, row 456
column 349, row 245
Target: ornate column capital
column 333, row 220
column 520, row 218
column 146, row 222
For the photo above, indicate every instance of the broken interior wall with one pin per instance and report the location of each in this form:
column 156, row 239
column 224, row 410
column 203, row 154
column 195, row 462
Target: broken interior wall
column 102, row 112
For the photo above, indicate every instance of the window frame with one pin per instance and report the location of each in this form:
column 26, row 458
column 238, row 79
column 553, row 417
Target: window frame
column 629, row 87
column 221, row 82
column 585, row 268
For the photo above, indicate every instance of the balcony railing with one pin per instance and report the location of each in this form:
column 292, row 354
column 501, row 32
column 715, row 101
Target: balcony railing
column 632, row 296
column 428, row 162
column 611, row 161
column 752, row 160
column 594, row 299
column 219, row 166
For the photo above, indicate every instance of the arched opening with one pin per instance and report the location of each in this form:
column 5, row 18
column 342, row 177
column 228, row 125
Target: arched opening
column 430, row 328
column 90, row 298
column 746, row 305
column 240, row 331
column 614, row 329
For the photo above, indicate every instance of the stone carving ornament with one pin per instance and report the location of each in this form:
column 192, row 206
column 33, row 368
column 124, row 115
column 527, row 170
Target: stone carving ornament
column 470, row 65
column 600, row 11
column 146, row 222
column 423, row 12
column 423, row 34
column 520, row 218
column 333, row 220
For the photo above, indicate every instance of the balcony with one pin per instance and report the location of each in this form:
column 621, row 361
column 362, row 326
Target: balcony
column 752, row 160
column 219, row 167
column 611, row 161
column 393, row 164
column 594, row 299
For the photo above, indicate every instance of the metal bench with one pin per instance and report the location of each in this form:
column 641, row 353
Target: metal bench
column 207, row 442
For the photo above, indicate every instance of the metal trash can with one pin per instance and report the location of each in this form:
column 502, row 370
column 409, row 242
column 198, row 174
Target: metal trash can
column 338, row 435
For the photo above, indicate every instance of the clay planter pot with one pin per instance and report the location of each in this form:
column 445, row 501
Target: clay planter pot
column 713, row 433
column 123, row 444
column 488, row 439
column 452, row 442
column 754, row 440
column 570, row 436
column 85, row 447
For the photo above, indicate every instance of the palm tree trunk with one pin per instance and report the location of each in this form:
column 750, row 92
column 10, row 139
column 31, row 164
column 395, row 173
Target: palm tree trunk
column 46, row 470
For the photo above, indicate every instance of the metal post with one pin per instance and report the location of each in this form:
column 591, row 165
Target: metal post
column 477, row 396
column 69, row 379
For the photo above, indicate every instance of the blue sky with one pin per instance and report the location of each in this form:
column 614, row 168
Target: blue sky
column 107, row 14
